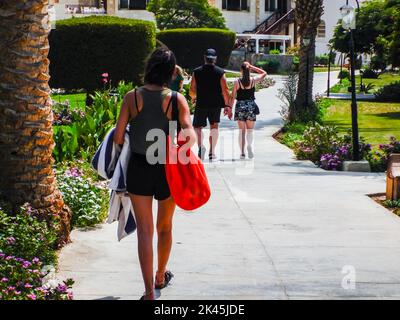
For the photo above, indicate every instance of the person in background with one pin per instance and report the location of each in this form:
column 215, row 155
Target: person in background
column 246, row 109
column 177, row 80
column 209, row 90
column 149, row 108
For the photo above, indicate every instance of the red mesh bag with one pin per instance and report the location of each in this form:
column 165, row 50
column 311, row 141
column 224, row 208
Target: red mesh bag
column 186, row 178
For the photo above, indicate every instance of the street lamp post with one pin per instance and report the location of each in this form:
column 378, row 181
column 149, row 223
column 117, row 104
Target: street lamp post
column 349, row 22
column 306, row 43
column 329, row 73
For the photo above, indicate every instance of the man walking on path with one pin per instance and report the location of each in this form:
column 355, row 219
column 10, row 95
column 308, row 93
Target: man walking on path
column 209, row 90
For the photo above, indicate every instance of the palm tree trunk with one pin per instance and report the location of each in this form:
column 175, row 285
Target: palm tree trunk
column 26, row 134
column 308, row 18
column 304, row 98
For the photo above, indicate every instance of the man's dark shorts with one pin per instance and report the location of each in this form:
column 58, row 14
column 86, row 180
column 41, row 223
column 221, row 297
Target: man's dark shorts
column 202, row 114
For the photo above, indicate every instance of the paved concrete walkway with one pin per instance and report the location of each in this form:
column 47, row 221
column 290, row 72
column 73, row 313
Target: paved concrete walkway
column 275, row 228
column 347, row 96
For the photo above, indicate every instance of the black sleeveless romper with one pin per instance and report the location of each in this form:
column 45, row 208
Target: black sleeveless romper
column 146, row 169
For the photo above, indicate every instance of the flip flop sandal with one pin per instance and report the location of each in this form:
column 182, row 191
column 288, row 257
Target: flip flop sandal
column 145, row 295
column 168, row 275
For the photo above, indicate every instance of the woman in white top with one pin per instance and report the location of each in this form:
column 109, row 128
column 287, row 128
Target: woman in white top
column 246, row 109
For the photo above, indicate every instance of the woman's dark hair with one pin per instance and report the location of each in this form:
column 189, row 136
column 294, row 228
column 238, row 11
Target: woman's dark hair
column 160, row 67
column 246, row 75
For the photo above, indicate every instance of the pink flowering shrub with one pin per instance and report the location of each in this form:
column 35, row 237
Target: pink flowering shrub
column 380, row 158
column 316, row 141
column 344, row 152
column 23, row 280
column 24, row 234
column 28, row 242
column 323, row 146
column 334, row 161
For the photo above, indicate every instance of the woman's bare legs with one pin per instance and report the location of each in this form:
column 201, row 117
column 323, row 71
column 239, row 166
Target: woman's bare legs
column 242, row 136
column 250, row 137
column 145, row 230
column 166, row 211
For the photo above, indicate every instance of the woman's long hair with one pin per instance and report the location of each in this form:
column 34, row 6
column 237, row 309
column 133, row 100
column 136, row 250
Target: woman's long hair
column 160, row 67
column 179, row 71
column 245, row 75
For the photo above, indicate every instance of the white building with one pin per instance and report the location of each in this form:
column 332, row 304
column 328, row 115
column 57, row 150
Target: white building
column 330, row 19
column 268, row 17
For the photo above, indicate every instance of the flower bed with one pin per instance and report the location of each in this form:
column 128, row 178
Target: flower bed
column 27, row 246
column 25, row 280
column 87, row 200
column 326, row 148
column 78, row 133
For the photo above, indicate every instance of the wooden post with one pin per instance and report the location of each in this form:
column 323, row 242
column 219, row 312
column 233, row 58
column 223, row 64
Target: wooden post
column 393, row 178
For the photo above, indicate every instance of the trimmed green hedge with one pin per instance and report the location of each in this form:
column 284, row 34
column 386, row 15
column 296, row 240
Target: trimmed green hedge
column 271, row 66
column 82, row 49
column 189, row 45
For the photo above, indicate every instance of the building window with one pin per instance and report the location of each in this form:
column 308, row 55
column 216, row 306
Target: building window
column 235, row 5
column 270, row 5
column 321, row 31
column 133, row 4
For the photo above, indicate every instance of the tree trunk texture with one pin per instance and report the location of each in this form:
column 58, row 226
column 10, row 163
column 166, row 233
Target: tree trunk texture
column 26, row 134
column 308, row 18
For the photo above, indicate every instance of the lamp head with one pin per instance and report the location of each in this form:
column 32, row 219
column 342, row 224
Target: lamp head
column 306, row 41
column 348, row 13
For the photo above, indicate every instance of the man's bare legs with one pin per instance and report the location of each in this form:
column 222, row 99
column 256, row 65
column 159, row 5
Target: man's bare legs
column 214, row 134
column 202, row 149
column 213, row 139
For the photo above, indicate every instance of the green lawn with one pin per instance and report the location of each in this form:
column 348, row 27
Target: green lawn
column 377, row 121
column 232, row 74
column 325, row 69
column 77, row 100
column 384, row 79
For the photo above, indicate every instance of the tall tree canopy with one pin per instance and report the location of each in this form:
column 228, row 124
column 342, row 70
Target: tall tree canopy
column 393, row 10
column 172, row 14
column 377, row 33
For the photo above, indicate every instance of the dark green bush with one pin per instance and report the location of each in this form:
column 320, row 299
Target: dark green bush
column 370, row 74
column 275, row 52
column 189, row 45
column 378, row 63
column 296, row 63
column 389, row 93
column 344, row 74
column 322, row 59
column 82, row 49
column 271, row 66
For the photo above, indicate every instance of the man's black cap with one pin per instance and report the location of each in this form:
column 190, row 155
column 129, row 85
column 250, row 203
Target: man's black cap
column 211, row 54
